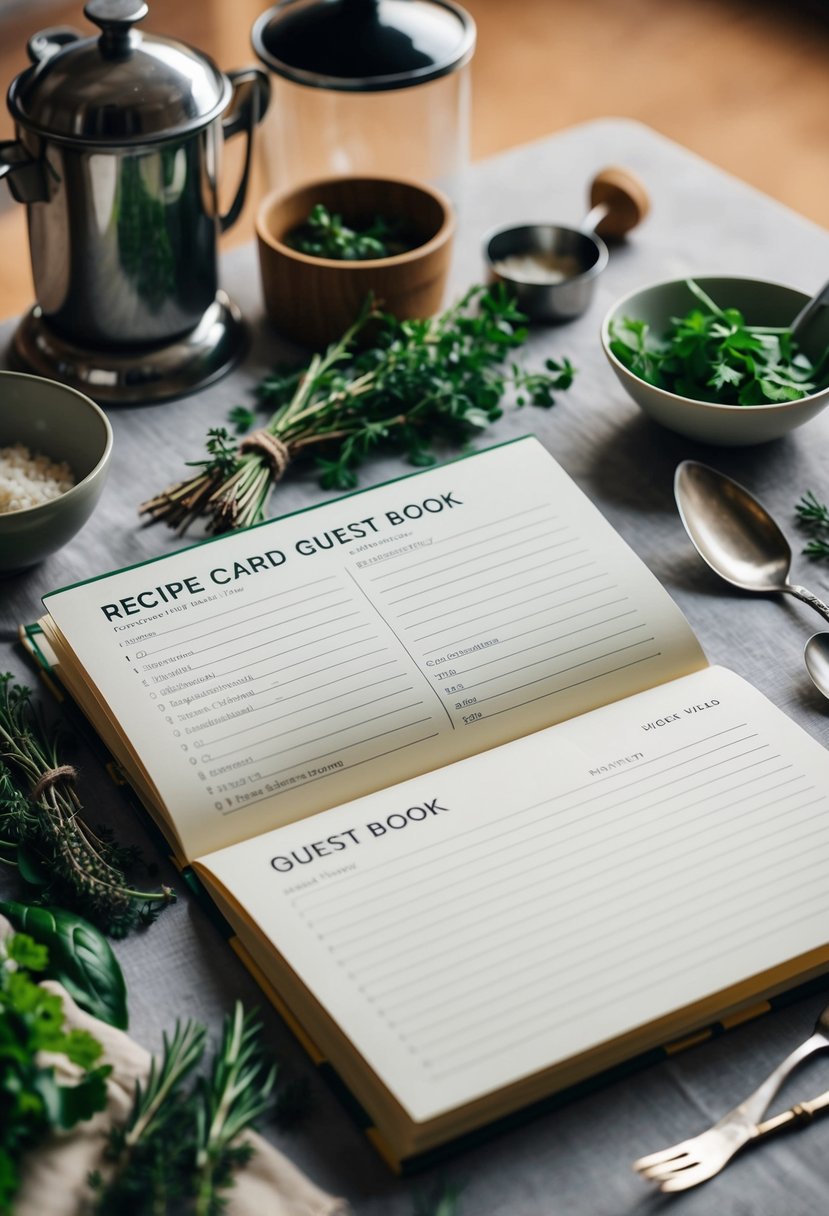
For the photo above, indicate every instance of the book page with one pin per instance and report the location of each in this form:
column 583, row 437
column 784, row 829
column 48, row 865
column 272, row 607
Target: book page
column 487, row 921
column 265, row 675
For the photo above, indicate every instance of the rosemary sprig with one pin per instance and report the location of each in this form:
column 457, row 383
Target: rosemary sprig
column 152, row 1105
column 813, row 517
column 181, row 1145
column 43, row 832
column 236, row 1095
column 419, row 381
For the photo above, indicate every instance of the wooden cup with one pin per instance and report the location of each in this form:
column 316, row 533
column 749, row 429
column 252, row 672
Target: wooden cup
column 314, row 300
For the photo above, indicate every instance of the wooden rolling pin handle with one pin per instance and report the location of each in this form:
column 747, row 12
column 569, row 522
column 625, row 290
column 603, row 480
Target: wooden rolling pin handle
column 626, row 198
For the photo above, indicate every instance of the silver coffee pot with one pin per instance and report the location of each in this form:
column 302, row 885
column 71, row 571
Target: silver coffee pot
column 117, row 157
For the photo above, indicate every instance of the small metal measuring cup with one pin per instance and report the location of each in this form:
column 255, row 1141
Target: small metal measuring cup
column 551, row 269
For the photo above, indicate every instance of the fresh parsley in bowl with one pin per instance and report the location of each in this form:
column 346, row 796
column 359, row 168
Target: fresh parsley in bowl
column 714, row 359
column 324, row 234
column 317, row 270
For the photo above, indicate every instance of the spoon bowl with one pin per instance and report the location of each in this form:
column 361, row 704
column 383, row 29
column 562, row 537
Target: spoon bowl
column 816, row 657
column 735, row 535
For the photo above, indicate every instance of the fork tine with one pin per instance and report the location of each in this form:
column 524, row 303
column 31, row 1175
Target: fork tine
column 665, row 1154
column 684, row 1180
column 668, row 1169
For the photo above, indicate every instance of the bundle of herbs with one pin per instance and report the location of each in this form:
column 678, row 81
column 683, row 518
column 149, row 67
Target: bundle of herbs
column 711, row 354
column 415, row 383
column 184, row 1141
column 44, row 834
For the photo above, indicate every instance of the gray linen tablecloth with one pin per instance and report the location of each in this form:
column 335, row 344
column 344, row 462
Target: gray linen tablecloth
column 575, row 1160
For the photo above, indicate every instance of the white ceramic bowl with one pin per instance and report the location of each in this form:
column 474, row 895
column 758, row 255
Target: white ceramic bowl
column 56, row 421
column 761, row 303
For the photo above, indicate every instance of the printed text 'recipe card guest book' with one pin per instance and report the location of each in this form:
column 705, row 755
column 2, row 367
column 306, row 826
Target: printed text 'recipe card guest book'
column 453, row 766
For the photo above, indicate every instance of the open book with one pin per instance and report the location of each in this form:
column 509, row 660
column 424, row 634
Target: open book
column 453, row 766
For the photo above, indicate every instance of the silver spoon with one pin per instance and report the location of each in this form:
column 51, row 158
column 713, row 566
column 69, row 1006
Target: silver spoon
column 810, row 310
column 735, row 535
column 816, row 657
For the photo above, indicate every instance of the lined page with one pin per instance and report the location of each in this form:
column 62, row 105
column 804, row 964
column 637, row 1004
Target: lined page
column 466, row 929
column 261, row 677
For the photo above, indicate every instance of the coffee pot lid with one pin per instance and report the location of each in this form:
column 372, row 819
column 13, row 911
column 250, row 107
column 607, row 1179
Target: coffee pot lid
column 121, row 87
column 364, row 45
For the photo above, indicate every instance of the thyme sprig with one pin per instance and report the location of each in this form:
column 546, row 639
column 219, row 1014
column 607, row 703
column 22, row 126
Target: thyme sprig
column 182, row 1144
column 813, row 517
column 418, row 382
column 47, row 837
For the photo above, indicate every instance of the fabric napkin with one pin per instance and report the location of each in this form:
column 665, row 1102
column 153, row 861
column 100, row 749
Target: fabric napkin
column 55, row 1173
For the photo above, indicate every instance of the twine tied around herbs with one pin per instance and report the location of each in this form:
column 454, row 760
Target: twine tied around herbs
column 63, row 772
column 274, row 450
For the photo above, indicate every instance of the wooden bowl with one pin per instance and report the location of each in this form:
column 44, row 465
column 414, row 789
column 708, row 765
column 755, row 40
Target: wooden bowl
column 314, row 300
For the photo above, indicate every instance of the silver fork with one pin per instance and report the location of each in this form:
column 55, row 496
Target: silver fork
column 693, row 1161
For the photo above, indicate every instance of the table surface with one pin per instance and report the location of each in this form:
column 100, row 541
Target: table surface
column 575, row 1160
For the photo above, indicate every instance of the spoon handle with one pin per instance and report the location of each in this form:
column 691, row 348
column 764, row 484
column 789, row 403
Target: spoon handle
column 807, row 312
column 807, row 597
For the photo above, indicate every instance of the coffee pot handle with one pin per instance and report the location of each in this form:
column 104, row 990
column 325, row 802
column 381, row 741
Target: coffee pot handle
column 251, row 94
column 47, row 43
column 27, row 181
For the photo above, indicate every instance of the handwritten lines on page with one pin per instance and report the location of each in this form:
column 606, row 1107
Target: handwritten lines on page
column 627, row 882
column 502, row 617
column 286, row 691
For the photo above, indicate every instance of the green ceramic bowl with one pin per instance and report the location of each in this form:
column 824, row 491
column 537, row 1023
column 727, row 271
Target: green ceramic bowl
column 50, row 419
column 762, row 303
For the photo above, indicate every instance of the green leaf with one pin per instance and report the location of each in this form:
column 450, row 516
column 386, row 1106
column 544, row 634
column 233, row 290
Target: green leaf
column 85, row 1099
column 66, row 1105
column 79, row 957
column 334, row 475
column 31, row 869
column 241, row 418
column 723, row 374
column 476, row 417
column 81, row 1048
column 22, row 949
column 778, row 392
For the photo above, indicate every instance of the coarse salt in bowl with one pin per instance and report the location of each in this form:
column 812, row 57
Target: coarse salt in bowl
column 55, row 447
column 30, row 479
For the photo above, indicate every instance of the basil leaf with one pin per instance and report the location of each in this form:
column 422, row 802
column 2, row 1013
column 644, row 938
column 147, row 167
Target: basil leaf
column 31, row 868
column 80, row 958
